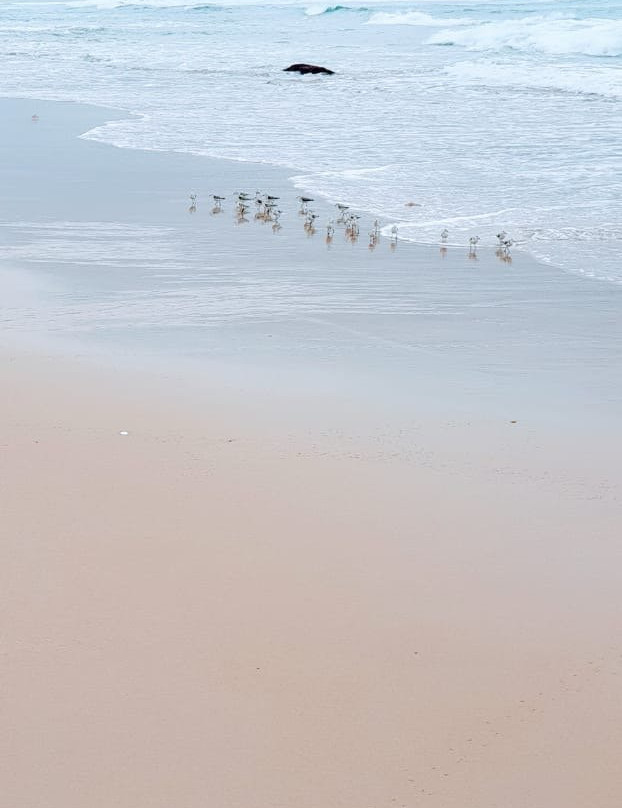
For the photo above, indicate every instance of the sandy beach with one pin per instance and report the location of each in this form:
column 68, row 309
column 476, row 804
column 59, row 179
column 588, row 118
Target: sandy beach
column 200, row 612
column 238, row 571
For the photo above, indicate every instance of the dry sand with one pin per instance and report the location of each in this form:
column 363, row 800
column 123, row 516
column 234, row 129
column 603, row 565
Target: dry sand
column 200, row 613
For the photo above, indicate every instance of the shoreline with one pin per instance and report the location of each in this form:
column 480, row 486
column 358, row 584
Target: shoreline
column 275, row 168
column 445, row 332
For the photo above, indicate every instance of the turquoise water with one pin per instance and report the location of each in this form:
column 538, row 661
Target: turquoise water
column 487, row 115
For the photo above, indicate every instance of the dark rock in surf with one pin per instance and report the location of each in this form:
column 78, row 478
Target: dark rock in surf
column 304, row 69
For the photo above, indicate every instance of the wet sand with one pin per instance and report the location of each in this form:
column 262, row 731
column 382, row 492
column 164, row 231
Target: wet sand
column 100, row 256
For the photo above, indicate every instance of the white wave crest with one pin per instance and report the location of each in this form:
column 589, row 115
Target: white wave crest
column 416, row 18
column 322, row 8
column 590, row 37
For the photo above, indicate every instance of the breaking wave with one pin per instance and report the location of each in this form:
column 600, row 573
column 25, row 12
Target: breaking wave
column 315, row 11
column 550, row 35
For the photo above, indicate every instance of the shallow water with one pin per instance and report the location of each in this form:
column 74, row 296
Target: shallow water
column 487, row 115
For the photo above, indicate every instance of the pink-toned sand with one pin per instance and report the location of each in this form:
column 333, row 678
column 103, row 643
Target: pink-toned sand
column 203, row 614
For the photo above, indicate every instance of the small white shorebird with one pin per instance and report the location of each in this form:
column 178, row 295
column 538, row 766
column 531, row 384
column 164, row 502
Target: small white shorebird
column 342, row 213
column 304, row 203
column 444, row 235
column 265, row 210
column 394, row 231
column 193, row 203
column 473, row 242
column 310, row 221
column 352, row 226
column 501, row 237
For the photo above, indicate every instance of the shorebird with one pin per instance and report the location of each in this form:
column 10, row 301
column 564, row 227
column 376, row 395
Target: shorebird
column 260, row 204
column 352, row 225
column 270, row 212
column 394, row 232
column 243, row 197
column 310, row 224
column 501, row 237
column 503, row 251
column 330, row 229
column 342, row 212
column 352, row 228
column 444, row 235
column 193, row 203
column 304, row 201
column 473, row 242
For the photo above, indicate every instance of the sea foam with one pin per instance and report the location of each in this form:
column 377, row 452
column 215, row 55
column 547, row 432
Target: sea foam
column 550, row 35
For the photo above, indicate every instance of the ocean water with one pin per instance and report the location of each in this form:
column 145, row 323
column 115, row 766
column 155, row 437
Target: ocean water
column 486, row 114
